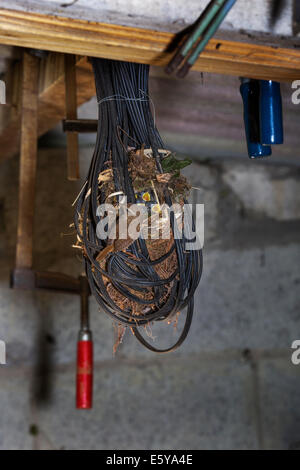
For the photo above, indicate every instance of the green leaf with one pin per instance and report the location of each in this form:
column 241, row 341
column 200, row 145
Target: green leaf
column 171, row 164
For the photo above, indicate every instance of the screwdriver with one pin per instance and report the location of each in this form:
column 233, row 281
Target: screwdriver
column 216, row 22
column 204, row 28
column 199, row 28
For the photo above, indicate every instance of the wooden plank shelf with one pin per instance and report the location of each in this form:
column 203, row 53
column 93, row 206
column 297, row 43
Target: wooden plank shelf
column 86, row 38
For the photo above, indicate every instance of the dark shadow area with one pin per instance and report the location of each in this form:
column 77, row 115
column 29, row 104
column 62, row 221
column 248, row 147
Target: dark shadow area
column 296, row 17
column 277, row 7
column 42, row 374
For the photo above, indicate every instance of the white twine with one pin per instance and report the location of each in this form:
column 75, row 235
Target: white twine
column 144, row 98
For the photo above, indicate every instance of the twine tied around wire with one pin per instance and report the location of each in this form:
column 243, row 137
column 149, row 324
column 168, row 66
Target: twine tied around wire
column 144, row 98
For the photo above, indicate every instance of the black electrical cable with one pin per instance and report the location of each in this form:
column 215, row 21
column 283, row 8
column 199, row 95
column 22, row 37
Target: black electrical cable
column 125, row 119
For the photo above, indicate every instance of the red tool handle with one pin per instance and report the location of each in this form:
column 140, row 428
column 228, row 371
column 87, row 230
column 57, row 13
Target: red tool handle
column 84, row 381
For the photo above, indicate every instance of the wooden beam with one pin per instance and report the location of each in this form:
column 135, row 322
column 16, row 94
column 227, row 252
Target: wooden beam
column 28, row 160
column 81, row 37
column 80, row 125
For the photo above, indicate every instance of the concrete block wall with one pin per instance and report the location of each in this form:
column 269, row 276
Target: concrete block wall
column 230, row 386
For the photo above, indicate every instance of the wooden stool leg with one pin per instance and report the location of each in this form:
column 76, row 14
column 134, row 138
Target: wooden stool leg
column 71, row 113
column 28, row 160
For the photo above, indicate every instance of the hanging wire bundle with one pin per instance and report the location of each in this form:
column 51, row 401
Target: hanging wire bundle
column 135, row 281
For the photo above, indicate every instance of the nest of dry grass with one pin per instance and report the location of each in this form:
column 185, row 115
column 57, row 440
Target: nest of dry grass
column 144, row 175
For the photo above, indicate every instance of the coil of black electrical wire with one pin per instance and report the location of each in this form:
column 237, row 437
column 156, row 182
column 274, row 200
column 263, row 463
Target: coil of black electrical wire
column 125, row 120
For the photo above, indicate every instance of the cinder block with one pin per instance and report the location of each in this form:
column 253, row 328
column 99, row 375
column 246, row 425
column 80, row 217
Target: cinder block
column 42, row 328
column 165, row 404
column 19, row 320
column 60, row 325
column 280, row 403
column 268, row 192
column 15, row 410
column 246, row 299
